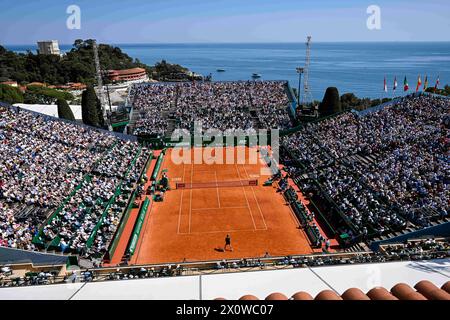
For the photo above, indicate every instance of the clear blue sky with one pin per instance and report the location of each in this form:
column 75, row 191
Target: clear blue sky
column 150, row 21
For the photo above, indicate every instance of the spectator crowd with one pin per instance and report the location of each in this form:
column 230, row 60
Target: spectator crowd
column 411, row 250
column 224, row 106
column 385, row 170
column 45, row 162
column 151, row 102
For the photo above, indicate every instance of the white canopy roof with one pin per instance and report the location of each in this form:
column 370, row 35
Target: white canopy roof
column 50, row 109
column 235, row 285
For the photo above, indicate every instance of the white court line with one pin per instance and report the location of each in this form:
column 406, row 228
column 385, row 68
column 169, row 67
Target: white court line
column 257, row 202
column 181, row 201
column 246, row 199
column 242, row 207
column 217, row 188
column 209, row 170
column 223, row 231
column 190, row 201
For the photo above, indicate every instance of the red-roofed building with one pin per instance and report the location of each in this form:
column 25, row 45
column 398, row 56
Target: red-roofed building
column 36, row 84
column 72, row 86
column 10, row 83
column 127, row 74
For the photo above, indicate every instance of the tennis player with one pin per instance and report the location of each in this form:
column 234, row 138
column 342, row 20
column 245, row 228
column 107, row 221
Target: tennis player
column 228, row 243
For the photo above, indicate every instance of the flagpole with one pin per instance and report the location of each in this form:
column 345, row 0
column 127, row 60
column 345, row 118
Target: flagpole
column 394, row 88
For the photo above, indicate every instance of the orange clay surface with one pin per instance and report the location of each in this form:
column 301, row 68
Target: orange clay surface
column 191, row 224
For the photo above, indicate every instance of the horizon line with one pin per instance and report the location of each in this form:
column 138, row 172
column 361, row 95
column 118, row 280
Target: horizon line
column 231, row 42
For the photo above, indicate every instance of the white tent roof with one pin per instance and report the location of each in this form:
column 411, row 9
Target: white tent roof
column 116, row 97
column 170, row 288
column 235, row 285
column 50, row 109
column 262, row 283
column 45, row 292
column 387, row 275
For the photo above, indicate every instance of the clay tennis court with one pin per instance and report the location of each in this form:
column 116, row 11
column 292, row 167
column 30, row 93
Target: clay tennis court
column 191, row 224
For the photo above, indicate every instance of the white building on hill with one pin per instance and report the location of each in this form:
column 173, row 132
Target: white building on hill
column 48, row 47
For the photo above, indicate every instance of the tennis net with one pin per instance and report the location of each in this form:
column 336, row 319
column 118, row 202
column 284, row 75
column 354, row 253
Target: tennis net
column 217, row 184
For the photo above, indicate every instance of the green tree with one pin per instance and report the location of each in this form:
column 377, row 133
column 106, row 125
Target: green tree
column 375, row 102
column 75, row 66
column 331, row 102
column 10, row 94
column 64, row 111
column 89, row 107
column 431, row 90
column 167, row 71
column 349, row 101
column 444, row 91
column 44, row 95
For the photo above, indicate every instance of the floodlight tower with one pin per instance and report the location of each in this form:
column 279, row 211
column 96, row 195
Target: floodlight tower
column 307, row 95
column 100, row 91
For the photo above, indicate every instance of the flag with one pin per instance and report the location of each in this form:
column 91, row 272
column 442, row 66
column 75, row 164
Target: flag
column 437, row 83
column 405, row 85
column 425, row 84
column 395, row 84
column 385, row 86
column 419, row 83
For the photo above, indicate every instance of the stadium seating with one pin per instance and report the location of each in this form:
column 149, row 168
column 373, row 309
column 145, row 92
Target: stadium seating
column 384, row 171
column 305, row 218
column 226, row 106
column 62, row 186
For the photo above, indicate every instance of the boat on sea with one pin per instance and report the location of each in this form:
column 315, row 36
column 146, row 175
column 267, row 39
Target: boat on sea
column 256, row 75
column 220, row 70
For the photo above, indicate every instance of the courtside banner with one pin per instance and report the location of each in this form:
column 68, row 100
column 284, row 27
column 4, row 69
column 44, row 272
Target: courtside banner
column 157, row 166
column 138, row 226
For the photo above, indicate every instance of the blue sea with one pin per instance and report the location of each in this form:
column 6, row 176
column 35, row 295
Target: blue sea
column 351, row 67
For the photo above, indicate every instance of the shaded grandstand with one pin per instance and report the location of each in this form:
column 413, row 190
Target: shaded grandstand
column 159, row 108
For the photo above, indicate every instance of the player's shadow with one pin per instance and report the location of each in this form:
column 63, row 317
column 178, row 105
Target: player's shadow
column 219, row 249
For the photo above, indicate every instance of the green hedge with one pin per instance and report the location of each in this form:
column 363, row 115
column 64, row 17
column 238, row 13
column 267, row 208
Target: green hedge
column 157, row 166
column 138, row 226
